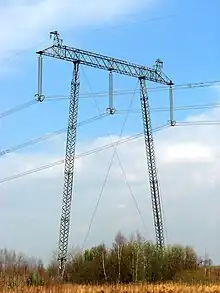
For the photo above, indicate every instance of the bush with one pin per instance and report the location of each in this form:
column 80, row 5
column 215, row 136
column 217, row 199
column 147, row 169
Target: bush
column 35, row 279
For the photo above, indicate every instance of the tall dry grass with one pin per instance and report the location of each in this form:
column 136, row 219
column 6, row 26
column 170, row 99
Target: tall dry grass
column 166, row 288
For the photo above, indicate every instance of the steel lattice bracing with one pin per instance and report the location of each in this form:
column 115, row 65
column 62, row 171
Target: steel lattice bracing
column 143, row 73
column 69, row 169
column 151, row 160
column 63, row 52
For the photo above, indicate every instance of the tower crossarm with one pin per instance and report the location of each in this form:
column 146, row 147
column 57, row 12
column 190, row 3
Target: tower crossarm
column 63, row 52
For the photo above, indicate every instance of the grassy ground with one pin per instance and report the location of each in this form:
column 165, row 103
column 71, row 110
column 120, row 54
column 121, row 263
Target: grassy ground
column 167, row 288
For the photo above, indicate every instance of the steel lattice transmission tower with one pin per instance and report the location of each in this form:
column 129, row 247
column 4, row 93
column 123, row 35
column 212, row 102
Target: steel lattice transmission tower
column 80, row 57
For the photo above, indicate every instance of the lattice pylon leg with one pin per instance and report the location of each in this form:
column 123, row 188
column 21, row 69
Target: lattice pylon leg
column 69, row 170
column 151, row 161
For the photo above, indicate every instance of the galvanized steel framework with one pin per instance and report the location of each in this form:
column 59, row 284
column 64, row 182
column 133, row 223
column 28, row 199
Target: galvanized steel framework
column 143, row 73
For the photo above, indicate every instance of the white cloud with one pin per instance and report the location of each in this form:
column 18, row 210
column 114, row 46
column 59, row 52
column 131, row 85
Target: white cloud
column 216, row 87
column 24, row 24
column 188, row 153
column 189, row 169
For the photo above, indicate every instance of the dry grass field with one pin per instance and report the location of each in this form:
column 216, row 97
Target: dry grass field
column 167, row 288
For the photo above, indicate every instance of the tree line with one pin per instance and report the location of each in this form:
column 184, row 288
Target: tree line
column 128, row 260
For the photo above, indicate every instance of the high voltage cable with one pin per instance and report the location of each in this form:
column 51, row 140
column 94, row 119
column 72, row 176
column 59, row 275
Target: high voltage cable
column 29, row 103
column 87, row 153
column 158, row 109
column 48, row 135
column 18, row 108
column 22, row 51
column 59, row 162
column 182, row 86
column 197, row 123
column 123, row 92
column 137, row 22
column 107, row 146
column 149, row 20
column 84, row 154
column 177, row 108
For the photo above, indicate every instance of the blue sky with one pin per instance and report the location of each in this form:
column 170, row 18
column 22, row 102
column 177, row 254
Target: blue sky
column 183, row 34
column 174, row 32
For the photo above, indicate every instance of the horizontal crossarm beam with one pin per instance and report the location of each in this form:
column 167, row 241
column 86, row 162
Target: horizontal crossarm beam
column 87, row 58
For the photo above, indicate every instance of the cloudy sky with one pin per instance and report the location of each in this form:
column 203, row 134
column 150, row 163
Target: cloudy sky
column 188, row 157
